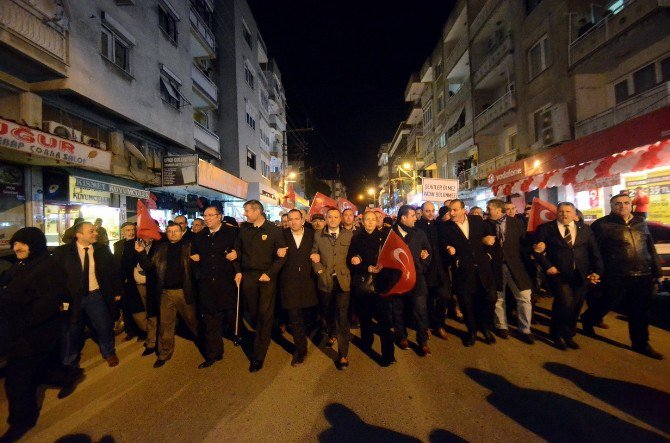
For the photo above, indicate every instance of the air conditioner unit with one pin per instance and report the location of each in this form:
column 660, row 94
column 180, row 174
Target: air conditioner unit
column 61, row 130
column 555, row 124
column 94, row 142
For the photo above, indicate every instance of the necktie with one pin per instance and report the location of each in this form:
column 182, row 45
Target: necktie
column 87, row 269
column 567, row 236
column 334, row 235
column 499, row 233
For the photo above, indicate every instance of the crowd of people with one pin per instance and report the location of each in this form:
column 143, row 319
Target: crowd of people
column 319, row 277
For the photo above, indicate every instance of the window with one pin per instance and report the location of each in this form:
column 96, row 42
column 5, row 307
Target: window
column 167, row 23
column 248, row 77
column 616, row 6
column 251, row 121
column 621, row 91
column 644, row 79
column 204, row 12
column 538, row 122
column 251, row 159
column 458, row 125
column 170, row 91
column 427, row 115
column 442, row 142
column 247, row 35
column 114, row 49
column 265, row 138
column 265, row 169
column 538, row 57
column 665, row 70
column 201, row 116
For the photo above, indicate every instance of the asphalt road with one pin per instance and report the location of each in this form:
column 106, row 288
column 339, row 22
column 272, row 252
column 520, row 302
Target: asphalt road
column 504, row 392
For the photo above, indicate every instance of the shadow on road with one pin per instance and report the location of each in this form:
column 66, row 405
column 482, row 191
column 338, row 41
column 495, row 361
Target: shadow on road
column 83, row 438
column 555, row 417
column 642, row 402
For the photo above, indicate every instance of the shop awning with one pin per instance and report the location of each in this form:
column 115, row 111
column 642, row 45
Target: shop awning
column 634, row 160
column 108, row 183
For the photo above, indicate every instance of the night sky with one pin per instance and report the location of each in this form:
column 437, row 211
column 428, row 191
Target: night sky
column 345, row 65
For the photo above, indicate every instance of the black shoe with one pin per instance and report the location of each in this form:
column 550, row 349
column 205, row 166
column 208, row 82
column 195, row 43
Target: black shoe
column 649, row 352
column 207, row 363
column 386, row 362
column 129, row 337
column 15, row 432
column 148, row 351
column 488, row 337
column 527, row 338
column 502, row 333
column 237, row 340
column 342, row 365
column 73, row 379
column 298, row 359
column 587, row 329
column 158, row 363
column 255, row 366
column 469, row 341
column 571, row 343
column 560, row 344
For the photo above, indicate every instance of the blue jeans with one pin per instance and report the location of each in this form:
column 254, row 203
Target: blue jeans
column 418, row 299
column 94, row 306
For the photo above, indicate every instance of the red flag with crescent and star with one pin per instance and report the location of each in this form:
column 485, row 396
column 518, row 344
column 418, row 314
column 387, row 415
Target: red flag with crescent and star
column 321, row 204
column 540, row 212
column 147, row 229
column 396, row 255
column 343, row 203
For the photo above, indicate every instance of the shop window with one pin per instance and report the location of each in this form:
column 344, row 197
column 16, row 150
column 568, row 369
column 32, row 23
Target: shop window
column 621, row 91
column 538, row 57
column 251, row 159
column 665, row 69
column 114, row 49
column 167, row 23
column 645, row 78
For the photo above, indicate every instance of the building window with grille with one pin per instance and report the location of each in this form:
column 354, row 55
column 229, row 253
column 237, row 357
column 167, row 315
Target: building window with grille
column 538, row 57
column 427, row 115
column 115, row 49
column 248, row 77
column 251, row 159
column 251, row 121
column 167, row 22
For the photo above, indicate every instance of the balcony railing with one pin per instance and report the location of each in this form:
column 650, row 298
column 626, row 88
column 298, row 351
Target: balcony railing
column 495, row 111
column 493, row 59
column 483, row 16
column 641, row 104
column 204, row 83
column 488, row 166
column 206, row 138
column 632, row 12
column 203, row 31
column 455, row 55
column 467, row 179
column 458, row 97
column 459, row 136
column 28, row 23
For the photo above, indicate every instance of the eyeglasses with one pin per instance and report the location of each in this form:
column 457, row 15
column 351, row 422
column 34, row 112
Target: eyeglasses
column 211, row 215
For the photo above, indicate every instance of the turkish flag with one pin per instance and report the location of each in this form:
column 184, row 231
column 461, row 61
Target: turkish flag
column 540, row 212
column 289, row 199
column 147, row 229
column 343, row 203
column 320, row 205
column 396, row 255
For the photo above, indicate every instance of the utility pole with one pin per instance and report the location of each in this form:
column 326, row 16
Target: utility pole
column 284, row 168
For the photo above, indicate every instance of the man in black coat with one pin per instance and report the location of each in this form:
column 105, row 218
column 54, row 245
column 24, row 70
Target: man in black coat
column 568, row 254
column 419, row 246
column 218, row 278
column 93, row 285
column 259, row 242
column 462, row 237
column 297, row 281
column 509, row 271
column 632, row 266
column 437, row 278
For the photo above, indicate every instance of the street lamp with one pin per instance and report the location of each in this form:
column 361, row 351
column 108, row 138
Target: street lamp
column 360, row 197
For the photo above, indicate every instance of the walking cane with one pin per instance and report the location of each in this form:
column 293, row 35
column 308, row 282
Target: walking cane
column 237, row 340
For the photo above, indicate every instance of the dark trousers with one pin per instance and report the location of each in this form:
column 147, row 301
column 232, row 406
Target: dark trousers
column 259, row 298
column 419, row 305
column 636, row 293
column 23, row 375
column 94, row 306
column 438, row 300
column 297, row 319
column 478, row 306
column 369, row 306
column 569, row 293
column 212, row 323
column 335, row 309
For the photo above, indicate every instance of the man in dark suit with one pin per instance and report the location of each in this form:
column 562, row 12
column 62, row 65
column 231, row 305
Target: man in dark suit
column 93, row 285
column 462, row 237
column 509, row 270
column 296, row 281
column 568, row 254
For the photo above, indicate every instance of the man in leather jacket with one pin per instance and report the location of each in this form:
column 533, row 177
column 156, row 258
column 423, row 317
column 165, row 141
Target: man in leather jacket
column 632, row 267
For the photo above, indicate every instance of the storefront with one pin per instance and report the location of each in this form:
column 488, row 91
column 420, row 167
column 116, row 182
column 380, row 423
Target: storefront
column 268, row 197
column 12, row 202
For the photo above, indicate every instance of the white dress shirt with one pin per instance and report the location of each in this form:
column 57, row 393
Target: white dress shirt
column 92, row 280
column 298, row 236
column 464, row 227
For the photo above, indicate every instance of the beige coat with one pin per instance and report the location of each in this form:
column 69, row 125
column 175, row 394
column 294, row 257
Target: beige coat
column 333, row 255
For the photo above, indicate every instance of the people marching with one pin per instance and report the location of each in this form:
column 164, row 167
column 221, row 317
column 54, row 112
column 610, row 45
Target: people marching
column 219, row 278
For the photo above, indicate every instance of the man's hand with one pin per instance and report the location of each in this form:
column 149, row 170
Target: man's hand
column 593, row 278
column 424, row 254
column 281, row 252
column 316, row 258
column 238, row 278
column 489, row 240
column 451, row 250
column 356, row 260
column 375, row 269
column 539, row 247
column 195, row 257
column 553, row 271
column 139, row 246
column 264, row 278
column 232, row 255
column 117, row 298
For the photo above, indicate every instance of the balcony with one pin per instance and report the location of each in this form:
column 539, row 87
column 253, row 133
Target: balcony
column 487, row 167
column 456, row 141
column 643, row 103
column 460, row 96
column 415, row 113
column 455, row 54
column 493, row 59
column 468, row 179
column 203, row 43
column 414, row 88
column 205, row 90
column 427, row 73
column 645, row 15
column 483, row 16
column 39, row 43
column 205, row 139
column 498, row 109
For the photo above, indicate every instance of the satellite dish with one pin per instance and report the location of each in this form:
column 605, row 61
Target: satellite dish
column 132, row 149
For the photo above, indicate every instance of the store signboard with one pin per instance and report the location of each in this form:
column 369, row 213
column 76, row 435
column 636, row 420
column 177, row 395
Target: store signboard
column 111, row 188
column 11, row 182
column 438, row 189
column 44, row 145
column 80, row 193
column 657, row 185
column 600, row 182
column 180, row 170
column 217, row 179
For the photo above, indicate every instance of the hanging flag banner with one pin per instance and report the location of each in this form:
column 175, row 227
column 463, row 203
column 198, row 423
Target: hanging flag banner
column 321, row 204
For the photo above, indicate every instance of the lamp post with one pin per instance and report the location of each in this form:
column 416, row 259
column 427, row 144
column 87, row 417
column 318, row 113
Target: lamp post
column 406, row 169
column 372, row 192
